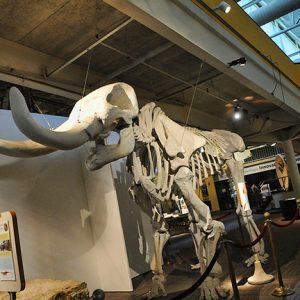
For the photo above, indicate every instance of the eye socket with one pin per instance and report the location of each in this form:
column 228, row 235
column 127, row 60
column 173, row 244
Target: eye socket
column 120, row 124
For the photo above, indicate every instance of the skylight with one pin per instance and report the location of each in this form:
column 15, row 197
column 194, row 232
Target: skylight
column 284, row 31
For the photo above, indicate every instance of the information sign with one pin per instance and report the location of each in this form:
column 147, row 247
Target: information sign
column 11, row 266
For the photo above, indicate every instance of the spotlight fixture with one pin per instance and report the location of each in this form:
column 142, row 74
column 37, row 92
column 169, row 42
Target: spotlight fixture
column 240, row 61
column 239, row 112
column 224, row 7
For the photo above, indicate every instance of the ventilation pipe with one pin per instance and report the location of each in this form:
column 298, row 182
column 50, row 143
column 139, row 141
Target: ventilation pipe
column 274, row 10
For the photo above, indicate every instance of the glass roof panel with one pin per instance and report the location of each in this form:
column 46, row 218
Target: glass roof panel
column 284, row 31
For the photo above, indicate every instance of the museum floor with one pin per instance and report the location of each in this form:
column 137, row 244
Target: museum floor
column 180, row 255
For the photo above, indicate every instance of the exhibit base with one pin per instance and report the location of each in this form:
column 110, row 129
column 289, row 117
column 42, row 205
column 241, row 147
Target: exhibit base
column 259, row 276
column 282, row 291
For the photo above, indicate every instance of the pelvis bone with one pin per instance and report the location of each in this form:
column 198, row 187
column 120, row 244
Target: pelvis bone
column 108, row 108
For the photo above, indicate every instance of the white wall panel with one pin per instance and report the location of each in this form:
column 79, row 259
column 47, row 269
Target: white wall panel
column 47, row 194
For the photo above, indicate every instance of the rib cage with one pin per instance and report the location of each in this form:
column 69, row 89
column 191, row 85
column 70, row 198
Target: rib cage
column 150, row 161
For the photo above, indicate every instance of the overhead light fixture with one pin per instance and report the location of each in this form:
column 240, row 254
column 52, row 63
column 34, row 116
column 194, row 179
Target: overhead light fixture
column 237, row 115
column 274, row 144
column 239, row 112
column 237, row 62
column 224, row 7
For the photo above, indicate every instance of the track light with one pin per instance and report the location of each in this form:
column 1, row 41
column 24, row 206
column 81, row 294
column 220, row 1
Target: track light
column 240, row 61
column 224, row 7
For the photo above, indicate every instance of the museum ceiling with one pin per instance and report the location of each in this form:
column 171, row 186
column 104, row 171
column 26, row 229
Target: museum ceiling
column 49, row 34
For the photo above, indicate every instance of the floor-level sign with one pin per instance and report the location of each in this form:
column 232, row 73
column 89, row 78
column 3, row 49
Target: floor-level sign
column 11, row 267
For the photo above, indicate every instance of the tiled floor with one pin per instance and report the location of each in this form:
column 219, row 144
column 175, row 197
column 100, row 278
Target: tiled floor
column 181, row 255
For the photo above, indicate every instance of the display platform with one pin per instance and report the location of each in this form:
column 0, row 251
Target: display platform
column 181, row 255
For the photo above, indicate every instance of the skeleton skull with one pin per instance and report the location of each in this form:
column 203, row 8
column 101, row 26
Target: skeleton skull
column 108, row 108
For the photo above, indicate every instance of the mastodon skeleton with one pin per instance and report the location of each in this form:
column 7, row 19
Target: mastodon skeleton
column 171, row 161
column 164, row 159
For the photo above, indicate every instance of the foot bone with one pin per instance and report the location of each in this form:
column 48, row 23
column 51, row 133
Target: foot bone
column 211, row 289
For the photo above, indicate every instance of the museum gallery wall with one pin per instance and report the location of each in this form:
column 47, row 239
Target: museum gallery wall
column 47, row 194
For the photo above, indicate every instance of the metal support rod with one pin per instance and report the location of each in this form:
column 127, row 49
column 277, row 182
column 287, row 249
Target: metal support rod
column 250, row 4
column 89, row 48
column 231, row 273
column 190, row 85
column 12, row 295
column 293, row 54
column 284, row 30
column 138, row 61
column 275, row 257
column 281, row 290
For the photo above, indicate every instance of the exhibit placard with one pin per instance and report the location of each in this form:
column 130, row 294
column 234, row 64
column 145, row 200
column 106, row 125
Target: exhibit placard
column 11, row 266
column 282, row 172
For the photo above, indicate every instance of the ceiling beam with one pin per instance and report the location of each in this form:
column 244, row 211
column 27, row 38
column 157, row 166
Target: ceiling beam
column 95, row 85
column 284, row 30
column 159, row 70
column 250, row 3
column 179, row 112
column 192, row 29
column 197, row 118
column 40, row 86
column 135, row 63
column 211, row 76
column 99, row 41
column 23, row 66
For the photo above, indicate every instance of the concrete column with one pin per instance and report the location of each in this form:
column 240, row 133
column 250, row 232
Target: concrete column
column 292, row 166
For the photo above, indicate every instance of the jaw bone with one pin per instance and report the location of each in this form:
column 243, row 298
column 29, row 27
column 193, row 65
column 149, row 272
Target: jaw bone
column 104, row 154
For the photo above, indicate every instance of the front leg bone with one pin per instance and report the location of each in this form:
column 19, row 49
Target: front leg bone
column 183, row 179
column 158, row 279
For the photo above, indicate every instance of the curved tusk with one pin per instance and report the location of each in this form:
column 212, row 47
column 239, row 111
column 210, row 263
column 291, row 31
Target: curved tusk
column 69, row 139
column 26, row 148
column 105, row 154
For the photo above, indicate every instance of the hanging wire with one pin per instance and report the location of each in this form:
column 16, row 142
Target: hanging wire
column 84, row 85
column 277, row 81
column 37, row 107
column 192, row 101
column 43, row 115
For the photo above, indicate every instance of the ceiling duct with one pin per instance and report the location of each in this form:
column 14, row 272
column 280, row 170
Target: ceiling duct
column 274, row 10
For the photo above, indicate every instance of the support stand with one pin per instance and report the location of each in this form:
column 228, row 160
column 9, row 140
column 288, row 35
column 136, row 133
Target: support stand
column 231, row 273
column 259, row 276
column 281, row 290
column 12, row 295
